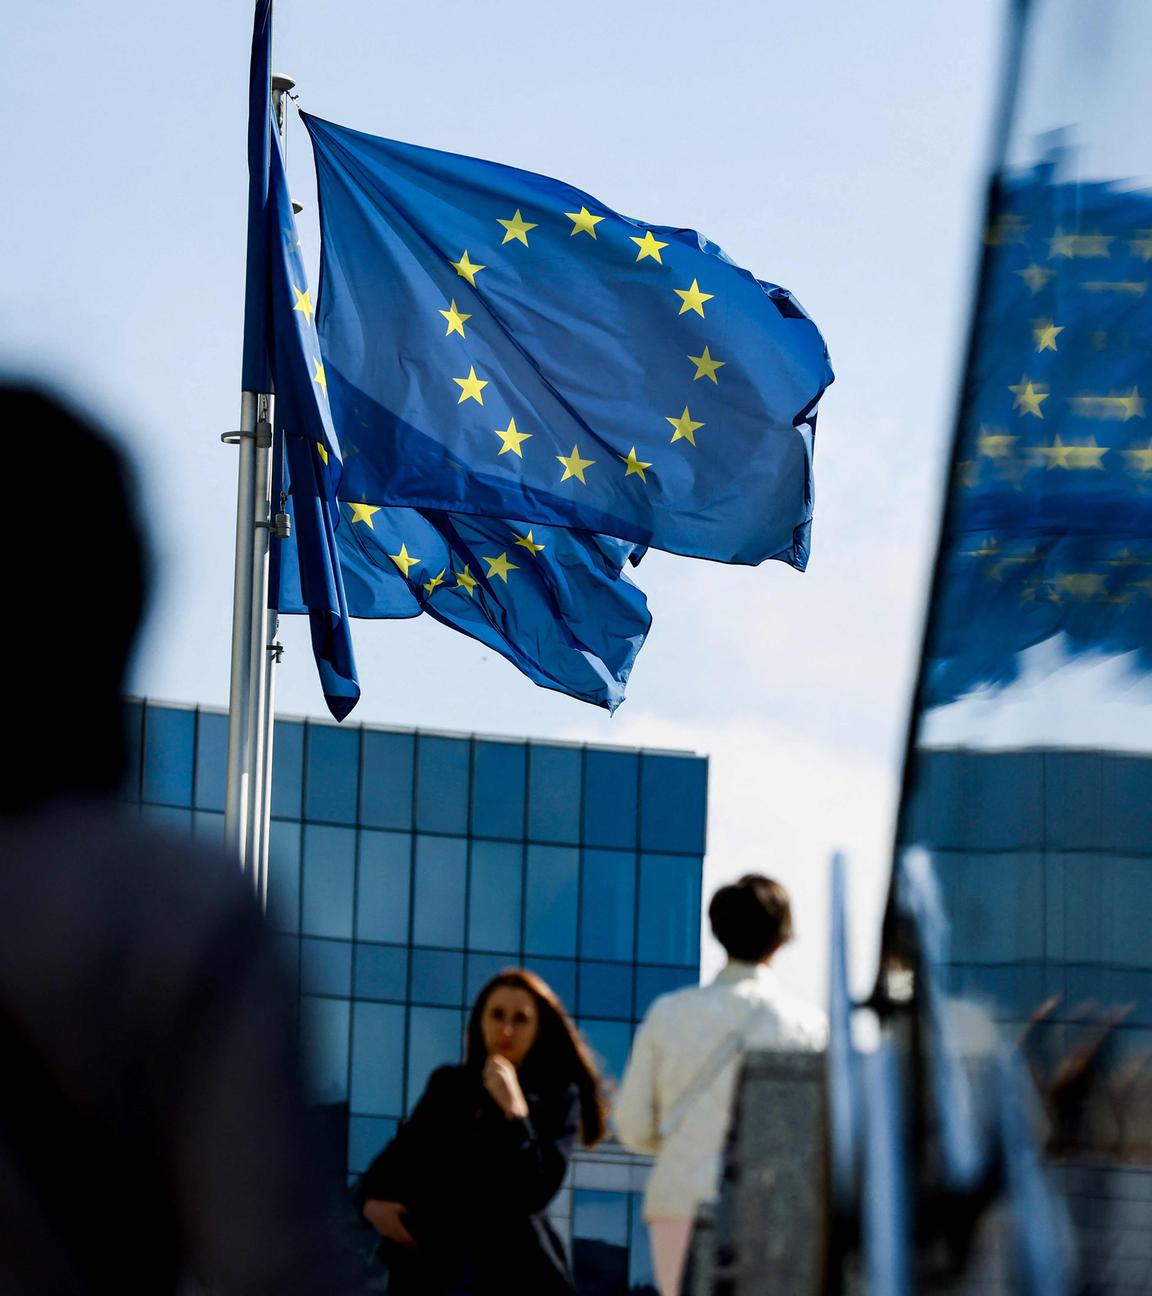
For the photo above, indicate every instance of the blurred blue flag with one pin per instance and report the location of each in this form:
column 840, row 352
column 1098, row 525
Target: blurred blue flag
column 1049, row 524
column 501, row 344
column 281, row 352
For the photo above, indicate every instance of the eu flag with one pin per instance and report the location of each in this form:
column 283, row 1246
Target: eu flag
column 501, row 344
column 1049, row 526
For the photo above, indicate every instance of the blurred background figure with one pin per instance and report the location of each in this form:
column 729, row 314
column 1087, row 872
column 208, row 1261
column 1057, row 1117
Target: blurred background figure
column 150, row 1124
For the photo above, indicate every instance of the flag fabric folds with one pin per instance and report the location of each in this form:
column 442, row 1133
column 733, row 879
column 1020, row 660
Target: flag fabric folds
column 1049, row 525
column 501, row 344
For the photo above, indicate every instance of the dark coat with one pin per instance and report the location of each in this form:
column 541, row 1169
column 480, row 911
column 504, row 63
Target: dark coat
column 476, row 1185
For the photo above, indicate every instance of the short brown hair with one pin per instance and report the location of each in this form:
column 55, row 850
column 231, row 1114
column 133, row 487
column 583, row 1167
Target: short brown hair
column 751, row 918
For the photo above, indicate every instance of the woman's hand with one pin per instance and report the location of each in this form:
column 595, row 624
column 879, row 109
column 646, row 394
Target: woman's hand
column 502, row 1082
column 387, row 1218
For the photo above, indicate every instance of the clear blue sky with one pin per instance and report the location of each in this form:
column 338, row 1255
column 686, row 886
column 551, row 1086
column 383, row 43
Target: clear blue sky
column 835, row 148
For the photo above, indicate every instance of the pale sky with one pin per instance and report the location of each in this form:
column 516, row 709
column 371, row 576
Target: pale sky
column 835, row 148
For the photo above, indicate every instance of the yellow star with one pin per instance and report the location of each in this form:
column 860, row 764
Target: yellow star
column 455, row 319
column 1045, row 333
column 1081, row 585
column 649, row 247
column 1028, row 397
column 363, row 513
column 1141, row 245
column 583, row 222
column 706, row 367
column 319, row 377
column 994, row 445
column 471, row 388
column 685, row 427
column 303, row 303
column 1139, row 460
column 320, row 450
column 404, row 560
column 1132, row 404
column 500, row 566
column 465, row 580
column 1035, row 276
column 1079, row 245
column 1059, row 455
column 634, row 465
column 516, row 228
column 574, row 466
column 527, row 542
column 430, row 585
column 693, row 299
column 511, row 439
column 465, row 269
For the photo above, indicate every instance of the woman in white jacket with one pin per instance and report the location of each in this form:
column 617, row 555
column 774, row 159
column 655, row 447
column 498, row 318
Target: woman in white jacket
column 675, row 1097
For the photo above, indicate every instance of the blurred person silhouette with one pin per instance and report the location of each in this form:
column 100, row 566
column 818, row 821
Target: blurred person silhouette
column 150, row 1122
column 459, row 1195
column 676, row 1095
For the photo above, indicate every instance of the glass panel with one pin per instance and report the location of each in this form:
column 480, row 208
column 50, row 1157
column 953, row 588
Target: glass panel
column 377, row 1059
column 442, row 784
column 208, row 828
column 325, row 967
column 329, row 866
column 669, row 928
column 284, row 875
column 288, row 951
column 368, row 1135
column 437, row 977
column 324, row 1026
column 605, row 990
column 611, row 1042
column 641, row 1279
column 333, row 770
column 288, row 769
column 673, row 803
column 381, row 972
column 611, row 783
column 607, row 904
column 211, row 759
column 435, row 1038
column 481, row 969
column 382, row 896
column 498, row 789
column 494, row 887
column 600, row 1241
column 169, row 819
column 654, row 981
column 133, row 749
column 168, row 740
column 386, row 779
column 560, row 975
column 554, row 782
column 441, row 870
column 551, row 903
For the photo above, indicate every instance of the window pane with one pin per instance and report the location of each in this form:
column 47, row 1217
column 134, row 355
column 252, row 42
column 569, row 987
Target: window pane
column 437, row 977
column 333, row 769
column 611, row 1042
column 435, row 1037
column 498, row 789
column 441, row 867
column 442, row 784
column 560, row 975
column 481, row 968
column 608, row 904
column 133, row 721
column 673, row 803
column 654, row 981
column 381, row 972
column 555, row 781
column 284, row 875
column 326, row 967
column 494, row 896
column 600, row 1241
column 605, row 990
column 325, row 1030
column 610, row 796
column 669, row 929
column 377, row 1059
column 329, row 864
column 168, row 739
column 550, row 906
column 382, row 897
column 287, row 769
column 368, row 1135
column 211, row 759
column 288, row 951
column 386, row 779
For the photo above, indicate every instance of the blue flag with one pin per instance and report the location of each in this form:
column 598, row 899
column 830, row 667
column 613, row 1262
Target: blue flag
column 501, row 344
column 281, row 351
column 1049, row 524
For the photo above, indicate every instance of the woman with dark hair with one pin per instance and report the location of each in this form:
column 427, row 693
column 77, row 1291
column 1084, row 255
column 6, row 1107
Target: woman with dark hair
column 458, row 1197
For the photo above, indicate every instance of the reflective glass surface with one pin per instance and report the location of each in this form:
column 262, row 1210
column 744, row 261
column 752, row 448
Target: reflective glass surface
column 611, row 1040
column 441, row 865
column 560, row 975
column 284, row 875
column 437, row 977
column 551, row 901
column 608, row 904
column 367, row 1135
column 288, row 769
column 442, row 784
column 386, row 779
column 169, row 737
column 329, row 872
column 384, row 871
column 211, row 759
column 654, row 981
column 610, row 787
column 435, row 1038
column 324, row 1027
column 494, row 886
column 498, row 776
column 381, row 972
column 669, row 926
column 600, row 1236
column 555, row 786
column 326, row 967
column 481, row 968
column 332, row 777
column 605, row 990
column 377, row 1059
column 673, row 803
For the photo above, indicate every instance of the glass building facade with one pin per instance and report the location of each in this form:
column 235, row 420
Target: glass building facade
column 408, row 867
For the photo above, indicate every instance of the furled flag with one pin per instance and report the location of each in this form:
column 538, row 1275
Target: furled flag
column 501, row 344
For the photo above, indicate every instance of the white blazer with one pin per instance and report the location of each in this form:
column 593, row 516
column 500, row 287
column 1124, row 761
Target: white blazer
column 671, row 1051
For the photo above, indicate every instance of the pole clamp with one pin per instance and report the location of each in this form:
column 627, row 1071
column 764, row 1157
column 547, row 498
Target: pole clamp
column 261, row 434
column 280, row 526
